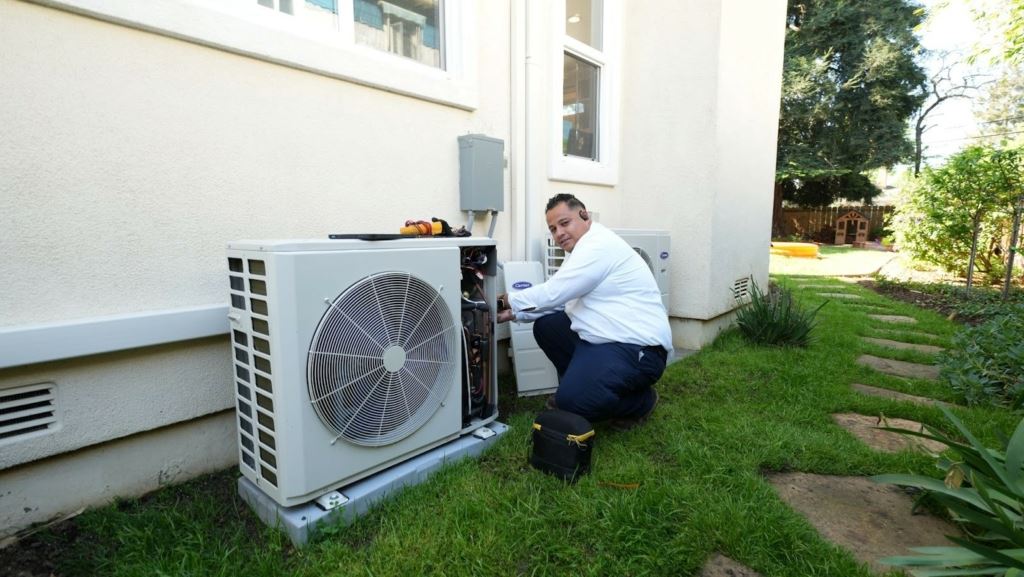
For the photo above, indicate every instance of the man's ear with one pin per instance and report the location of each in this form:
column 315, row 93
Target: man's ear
column 584, row 215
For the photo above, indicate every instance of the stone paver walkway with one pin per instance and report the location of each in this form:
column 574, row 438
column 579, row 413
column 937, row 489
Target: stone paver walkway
column 866, row 429
column 844, row 296
column 869, row 520
column 896, row 395
column 868, row 308
column 908, row 332
column 903, row 346
column 721, row 566
column 899, row 368
column 894, row 319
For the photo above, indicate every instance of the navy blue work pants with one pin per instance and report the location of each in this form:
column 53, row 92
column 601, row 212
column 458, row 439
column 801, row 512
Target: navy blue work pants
column 599, row 382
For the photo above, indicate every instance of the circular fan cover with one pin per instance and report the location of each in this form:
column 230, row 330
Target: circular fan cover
column 643, row 255
column 382, row 359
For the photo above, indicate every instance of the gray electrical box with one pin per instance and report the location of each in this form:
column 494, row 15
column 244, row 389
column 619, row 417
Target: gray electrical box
column 481, row 173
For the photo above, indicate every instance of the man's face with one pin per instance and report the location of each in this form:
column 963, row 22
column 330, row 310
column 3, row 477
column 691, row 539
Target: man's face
column 566, row 226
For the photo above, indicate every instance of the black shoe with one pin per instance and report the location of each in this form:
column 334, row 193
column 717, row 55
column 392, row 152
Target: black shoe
column 627, row 424
column 550, row 404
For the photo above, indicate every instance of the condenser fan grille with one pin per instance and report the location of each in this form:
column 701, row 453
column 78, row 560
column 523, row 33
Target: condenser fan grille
column 382, row 359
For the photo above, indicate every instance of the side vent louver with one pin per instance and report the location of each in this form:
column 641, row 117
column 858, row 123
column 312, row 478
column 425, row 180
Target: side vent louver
column 553, row 258
column 254, row 390
column 741, row 289
column 26, row 410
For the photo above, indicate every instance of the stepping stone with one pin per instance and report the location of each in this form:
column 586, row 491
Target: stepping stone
column 896, row 395
column 721, row 566
column 903, row 346
column 899, row 368
column 867, row 519
column 868, row 309
column 908, row 332
column 819, row 286
column 840, row 296
column 895, row 319
column 866, row 429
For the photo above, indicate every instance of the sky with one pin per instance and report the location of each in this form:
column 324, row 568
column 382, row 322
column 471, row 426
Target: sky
column 950, row 28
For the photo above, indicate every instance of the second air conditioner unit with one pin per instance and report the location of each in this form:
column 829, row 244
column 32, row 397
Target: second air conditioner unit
column 654, row 246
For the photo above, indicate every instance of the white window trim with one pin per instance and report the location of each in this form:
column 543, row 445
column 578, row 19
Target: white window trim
column 605, row 170
column 244, row 27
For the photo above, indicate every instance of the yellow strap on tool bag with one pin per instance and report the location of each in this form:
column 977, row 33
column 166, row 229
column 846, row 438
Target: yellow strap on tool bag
column 571, row 438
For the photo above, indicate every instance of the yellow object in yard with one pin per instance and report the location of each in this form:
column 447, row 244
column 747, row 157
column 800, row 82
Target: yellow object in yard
column 802, row 249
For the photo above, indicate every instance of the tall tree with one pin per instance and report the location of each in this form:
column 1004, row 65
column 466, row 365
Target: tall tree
column 948, row 81
column 1003, row 21
column 1000, row 110
column 850, row 83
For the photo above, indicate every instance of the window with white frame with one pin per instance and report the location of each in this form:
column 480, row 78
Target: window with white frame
column 586, row 118
column 421, row 48
column 410, row 28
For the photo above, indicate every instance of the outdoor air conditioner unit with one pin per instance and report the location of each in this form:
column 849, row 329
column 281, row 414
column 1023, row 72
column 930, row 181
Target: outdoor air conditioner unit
column 652, row 245
column 353, row 355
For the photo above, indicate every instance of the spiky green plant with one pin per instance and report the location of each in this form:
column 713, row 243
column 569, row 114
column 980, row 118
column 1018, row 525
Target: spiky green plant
column 774, row 318
column 983, row 490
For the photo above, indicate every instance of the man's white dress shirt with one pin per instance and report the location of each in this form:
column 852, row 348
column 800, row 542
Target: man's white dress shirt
column 606, row 289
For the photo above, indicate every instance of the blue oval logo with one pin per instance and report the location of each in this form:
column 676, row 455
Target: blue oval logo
column 664, row 255
column 522, row 285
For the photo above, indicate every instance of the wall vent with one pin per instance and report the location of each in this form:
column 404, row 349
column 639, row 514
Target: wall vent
column 27, row 410
column 741, row 289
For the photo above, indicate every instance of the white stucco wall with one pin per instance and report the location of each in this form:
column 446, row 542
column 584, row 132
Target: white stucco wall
column 44, row 490
column 110, row 396
column 703, row 170
column 129, row 159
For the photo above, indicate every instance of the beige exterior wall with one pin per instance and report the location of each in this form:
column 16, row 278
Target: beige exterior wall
column 698, row 154
column 129, row 158
column 43, row 490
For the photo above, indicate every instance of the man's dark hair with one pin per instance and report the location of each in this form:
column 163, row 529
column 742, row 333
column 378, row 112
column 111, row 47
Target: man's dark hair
column 571, row 201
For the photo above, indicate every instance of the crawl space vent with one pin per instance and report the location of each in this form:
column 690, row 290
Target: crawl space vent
column 26, row 410
column 741, row 289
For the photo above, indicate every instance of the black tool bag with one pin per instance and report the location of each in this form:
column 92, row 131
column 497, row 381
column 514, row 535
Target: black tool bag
column 562, row 444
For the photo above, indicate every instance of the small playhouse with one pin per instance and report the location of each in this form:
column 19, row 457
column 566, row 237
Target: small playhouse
column 851, row 228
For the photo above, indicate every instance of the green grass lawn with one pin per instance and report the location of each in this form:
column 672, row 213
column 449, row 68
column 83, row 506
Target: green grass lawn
column 728, row 414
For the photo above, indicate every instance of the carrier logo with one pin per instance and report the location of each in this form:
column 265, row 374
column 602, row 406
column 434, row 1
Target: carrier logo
column 664, row 255
column 522, row 285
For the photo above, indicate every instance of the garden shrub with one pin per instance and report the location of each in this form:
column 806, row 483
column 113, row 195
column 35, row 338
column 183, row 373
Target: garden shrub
column 983, row 489
column 939, row 212
column 986, row 362
column 774, row 318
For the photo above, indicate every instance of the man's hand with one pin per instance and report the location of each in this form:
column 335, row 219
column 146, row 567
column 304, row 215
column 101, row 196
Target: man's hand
column 506, row 315
column 502, row 301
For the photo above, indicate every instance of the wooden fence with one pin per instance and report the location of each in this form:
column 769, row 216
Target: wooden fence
column 819, row 224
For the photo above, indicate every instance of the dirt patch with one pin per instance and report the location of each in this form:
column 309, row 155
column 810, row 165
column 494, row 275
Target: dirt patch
column 721, row 566
column 41, row 553
column 866, row 429
column 933, row 302
column 869, row 520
